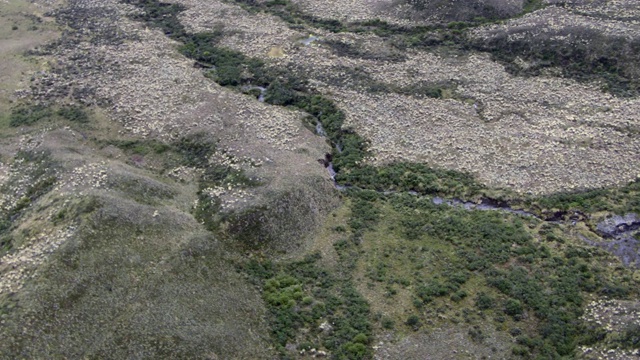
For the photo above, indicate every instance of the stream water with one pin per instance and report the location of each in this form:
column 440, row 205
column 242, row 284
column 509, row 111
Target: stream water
column 619, row 235
column 308, row 41
column 263, row 90
column 484, row 205
column 618, row 232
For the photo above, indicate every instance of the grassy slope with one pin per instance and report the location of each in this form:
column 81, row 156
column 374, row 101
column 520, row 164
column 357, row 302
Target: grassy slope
column 138, row 276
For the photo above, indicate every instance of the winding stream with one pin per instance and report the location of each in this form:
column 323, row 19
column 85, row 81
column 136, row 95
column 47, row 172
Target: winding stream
column 484, row 205
column 618, row 232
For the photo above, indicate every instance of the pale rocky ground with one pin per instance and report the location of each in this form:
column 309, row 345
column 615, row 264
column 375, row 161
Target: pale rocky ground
column 394, row 11
column 447, row 342
column 534, row 135
column 612, row 316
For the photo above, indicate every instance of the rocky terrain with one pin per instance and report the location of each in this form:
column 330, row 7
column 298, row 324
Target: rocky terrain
column 163, row 193
column 540, row 135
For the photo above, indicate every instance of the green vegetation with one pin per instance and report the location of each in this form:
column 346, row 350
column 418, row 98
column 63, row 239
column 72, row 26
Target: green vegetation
column 228, row 66
column 629, row 338
column 300, row 295
column 617, row 200
column 484, row 301
column 73, row 113
column 413, row 321
column 122, row 260
column 532, row 5
column 590, row 56
column 441, row 253
column 411, row 177
column 27, row 115
column 491, row 261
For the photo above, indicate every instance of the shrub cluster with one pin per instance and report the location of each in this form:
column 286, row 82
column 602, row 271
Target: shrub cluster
column 526, row 278
column 617, row 200
column 26, row 115
column 588, row 55
column 300, row 295
column 29, row 115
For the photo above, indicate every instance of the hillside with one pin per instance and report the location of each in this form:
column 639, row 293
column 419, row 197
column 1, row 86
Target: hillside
column 291, row 179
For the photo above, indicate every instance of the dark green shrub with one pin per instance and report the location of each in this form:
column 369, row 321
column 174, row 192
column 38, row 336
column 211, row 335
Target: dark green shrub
column 513, row 307
column 307, row 300
column 388, row 323
column 361, row 339
column 280, row 93
column 196, row 150
column 227, row 75
column 354, row 351
column 207, row 212
column 433, row 289
column 6, row 243
column 520, row 351
column 413, row 321
column 73, row 113
column 29, row 115
column 458, row 296
column 590, row 55
column 592, row 335
column 484, row 301
column 364, row 215
column 629, row 337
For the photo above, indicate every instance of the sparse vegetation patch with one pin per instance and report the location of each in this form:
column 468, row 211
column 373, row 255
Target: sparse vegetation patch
column 35, row 174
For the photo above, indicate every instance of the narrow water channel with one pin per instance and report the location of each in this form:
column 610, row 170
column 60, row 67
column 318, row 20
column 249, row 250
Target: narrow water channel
column 618, row 232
